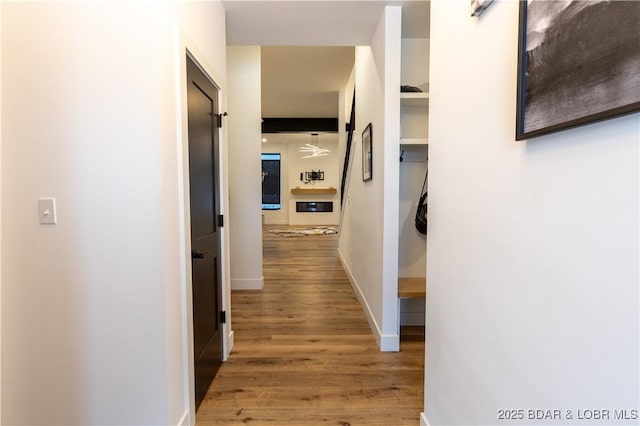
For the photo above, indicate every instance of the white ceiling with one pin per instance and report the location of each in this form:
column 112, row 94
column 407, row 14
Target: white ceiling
column 300, row 81
column 301, row 75
column 317, row 23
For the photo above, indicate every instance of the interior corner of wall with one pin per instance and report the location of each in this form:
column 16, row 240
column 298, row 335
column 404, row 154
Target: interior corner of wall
column 184, row 420
column 386, row 343
column 423, row 420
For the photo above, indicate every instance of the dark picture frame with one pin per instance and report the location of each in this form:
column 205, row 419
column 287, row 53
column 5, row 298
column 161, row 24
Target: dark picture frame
column 367, row 153
column 578, row 62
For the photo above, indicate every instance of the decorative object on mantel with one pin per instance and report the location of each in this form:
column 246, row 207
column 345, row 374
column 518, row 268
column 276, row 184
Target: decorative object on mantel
column 578, row 62
column 313, row 149
column 479, row 6
column 316, row 230
column 367, row 154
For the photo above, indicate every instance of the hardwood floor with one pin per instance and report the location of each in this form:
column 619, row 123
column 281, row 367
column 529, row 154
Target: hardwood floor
column 304, row 353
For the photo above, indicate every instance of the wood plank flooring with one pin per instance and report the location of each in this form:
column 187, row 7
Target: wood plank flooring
column 304, row 353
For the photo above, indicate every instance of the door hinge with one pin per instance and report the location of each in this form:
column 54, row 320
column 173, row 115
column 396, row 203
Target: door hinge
column 220, row 220
column 224, row 114
column 223, row 317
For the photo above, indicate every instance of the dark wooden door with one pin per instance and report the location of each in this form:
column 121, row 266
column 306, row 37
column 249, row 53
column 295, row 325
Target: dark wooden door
column 202, row 100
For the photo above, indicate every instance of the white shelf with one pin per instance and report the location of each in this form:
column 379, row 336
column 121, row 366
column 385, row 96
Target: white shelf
column 414, row 98
column 414, row 141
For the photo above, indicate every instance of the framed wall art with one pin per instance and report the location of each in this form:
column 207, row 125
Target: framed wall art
column 578, row 62
column 367, row 154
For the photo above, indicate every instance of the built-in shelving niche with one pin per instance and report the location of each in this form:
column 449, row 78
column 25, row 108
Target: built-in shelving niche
column 414, row 144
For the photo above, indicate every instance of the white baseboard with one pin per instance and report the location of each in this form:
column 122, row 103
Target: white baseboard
column 184, row 421
column 386, row 342
column 252, row 284
column 423, row 420
column 230, row 342
column 390, row 343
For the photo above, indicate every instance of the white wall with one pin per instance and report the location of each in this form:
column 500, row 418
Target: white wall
column 414, row 69
column 369, row 235
column 0, row 213
column 201, row 31
column 244, row 123
column 291, row 165
column 94, row 327
column 532, row 246
column 329, row 165
column 392, row 59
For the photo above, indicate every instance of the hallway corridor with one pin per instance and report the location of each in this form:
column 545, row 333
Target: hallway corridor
column 304, row 353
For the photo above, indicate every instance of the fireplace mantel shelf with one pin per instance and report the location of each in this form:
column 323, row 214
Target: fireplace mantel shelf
column 313, row 191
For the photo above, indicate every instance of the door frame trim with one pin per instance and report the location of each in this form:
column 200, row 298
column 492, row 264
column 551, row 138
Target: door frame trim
column 183, row 48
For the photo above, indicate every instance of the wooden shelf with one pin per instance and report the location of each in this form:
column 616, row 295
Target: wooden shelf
column 414, row 98
column 414, row 141
column 313, row 191
column 412, row 287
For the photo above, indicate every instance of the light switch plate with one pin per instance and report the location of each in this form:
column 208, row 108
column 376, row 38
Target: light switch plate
column 47, row 211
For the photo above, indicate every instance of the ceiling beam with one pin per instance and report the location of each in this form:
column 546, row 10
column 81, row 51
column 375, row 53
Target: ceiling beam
column 299, row 125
